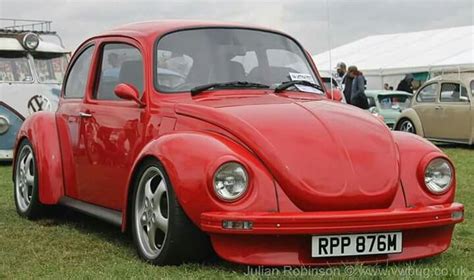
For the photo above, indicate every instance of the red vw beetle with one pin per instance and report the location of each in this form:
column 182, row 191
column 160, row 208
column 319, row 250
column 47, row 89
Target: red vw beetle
column 205, row 135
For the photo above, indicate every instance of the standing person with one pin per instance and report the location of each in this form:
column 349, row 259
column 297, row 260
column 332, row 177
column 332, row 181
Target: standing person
column 358, row 97
column 340, row 72
column 405, row 84
column 347, row 82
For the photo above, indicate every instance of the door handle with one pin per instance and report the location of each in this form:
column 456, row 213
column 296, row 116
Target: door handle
column 84, row 115
column 437, row 107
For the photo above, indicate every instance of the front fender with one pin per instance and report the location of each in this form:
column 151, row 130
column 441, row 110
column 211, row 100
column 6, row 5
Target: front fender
column 191, row 158
column 415, row 153
column 40, row 129
column 411, row 114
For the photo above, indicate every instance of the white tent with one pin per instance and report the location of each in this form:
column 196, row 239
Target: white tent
column 387, row 58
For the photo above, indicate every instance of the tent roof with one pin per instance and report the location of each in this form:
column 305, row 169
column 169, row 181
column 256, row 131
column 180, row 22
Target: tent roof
column 414, row 51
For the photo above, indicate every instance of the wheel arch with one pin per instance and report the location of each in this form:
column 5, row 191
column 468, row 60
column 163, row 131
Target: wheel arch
column 41, row 131
column 411, row 115
column 188, row 159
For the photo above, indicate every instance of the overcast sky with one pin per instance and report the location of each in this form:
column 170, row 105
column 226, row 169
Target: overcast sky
column 307, row 20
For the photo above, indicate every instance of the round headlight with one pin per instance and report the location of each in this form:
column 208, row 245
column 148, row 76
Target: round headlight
column 438, row 176
column 230, row 181
column 30, row 41
column 4, row 125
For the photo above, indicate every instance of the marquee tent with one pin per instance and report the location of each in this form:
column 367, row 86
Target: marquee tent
column 387, row 58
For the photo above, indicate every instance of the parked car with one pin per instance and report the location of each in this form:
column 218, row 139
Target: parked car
column 442, row 110
column 387, row 103
column 31, row 72
column 245, row 155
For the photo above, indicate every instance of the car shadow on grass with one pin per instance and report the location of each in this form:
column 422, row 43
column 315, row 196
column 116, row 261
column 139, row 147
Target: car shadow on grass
column 87, row 225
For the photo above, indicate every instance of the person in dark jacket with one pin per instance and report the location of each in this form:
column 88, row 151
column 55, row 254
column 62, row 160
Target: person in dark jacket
column 405, row 84
column 358, row 97
column 347, row 82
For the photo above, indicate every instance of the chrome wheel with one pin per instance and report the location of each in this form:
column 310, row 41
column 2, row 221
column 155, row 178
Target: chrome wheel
column 407, row 126
column 151, row 212
column 25, row 178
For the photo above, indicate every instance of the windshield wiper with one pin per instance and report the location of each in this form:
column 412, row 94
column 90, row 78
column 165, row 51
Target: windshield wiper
column 288, row 84
column 236, row 84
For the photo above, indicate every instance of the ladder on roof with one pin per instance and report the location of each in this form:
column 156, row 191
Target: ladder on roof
column 40, row 27
column 26, row 25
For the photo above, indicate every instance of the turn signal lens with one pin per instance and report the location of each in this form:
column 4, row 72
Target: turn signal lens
column 438, row 176
column 230, row 181
column 237, row 224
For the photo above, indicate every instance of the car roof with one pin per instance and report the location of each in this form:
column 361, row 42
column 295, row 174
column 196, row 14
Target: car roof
column 156, row 28
column 465, row 77
column 374, row 93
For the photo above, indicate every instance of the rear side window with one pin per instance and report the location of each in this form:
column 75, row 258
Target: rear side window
column 453, row 92
column 427, row 94
column 121, row 63
column 472, row 88
column 77, row 78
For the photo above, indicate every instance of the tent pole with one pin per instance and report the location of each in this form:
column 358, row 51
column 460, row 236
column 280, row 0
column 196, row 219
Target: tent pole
column 329, row 45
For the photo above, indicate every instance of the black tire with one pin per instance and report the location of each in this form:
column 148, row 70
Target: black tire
column 183, row 242
column 34, row 209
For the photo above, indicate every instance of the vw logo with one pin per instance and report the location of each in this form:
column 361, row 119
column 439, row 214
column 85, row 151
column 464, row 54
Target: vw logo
column 38, row 103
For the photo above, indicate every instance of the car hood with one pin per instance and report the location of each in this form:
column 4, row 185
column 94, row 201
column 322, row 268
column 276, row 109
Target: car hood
column 324, row 155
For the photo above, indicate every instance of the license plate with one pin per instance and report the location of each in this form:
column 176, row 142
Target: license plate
column 356, row 244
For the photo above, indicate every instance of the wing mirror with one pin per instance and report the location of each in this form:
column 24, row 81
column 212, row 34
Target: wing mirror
column 128, row 92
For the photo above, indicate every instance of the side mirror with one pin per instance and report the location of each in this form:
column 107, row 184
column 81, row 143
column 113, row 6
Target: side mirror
column 335, row 94
column 373, row 110
column 128, row 92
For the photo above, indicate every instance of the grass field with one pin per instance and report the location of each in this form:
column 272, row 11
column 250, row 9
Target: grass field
column 70, row 245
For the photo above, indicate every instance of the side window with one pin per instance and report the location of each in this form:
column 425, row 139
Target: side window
column 121, row 63
column 428, row 93
column 77, row 78
column 453, row 92
column 472, row 88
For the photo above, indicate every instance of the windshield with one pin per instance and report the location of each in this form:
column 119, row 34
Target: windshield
column 190, row 58
column 14, row 67
column 50, row 67
column 394, row 102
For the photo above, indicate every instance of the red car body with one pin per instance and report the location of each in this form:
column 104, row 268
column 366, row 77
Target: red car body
column 315, row 166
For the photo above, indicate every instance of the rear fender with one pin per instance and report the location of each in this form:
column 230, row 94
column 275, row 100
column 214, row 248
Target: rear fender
column 190, row 160
column 40, row 129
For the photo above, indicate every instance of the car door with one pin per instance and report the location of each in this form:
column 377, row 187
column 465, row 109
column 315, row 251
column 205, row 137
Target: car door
column 113, row 128
column 425, row 107
column 453, row 116
column 69, row 116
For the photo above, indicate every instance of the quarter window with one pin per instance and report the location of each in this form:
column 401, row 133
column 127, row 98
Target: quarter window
column 121, row 63
column 427, row 94
column 453, row 92
column 77, row 78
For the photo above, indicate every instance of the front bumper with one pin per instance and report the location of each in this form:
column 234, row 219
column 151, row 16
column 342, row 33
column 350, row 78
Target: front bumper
column 285, row 238
column 6, row 155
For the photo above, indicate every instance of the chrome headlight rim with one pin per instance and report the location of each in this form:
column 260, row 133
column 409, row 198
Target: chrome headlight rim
column 218, row 190
column 27, row 38
column 436, row 167
column 6, row 122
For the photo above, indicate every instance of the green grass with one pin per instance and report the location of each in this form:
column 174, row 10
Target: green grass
column 71, row 245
